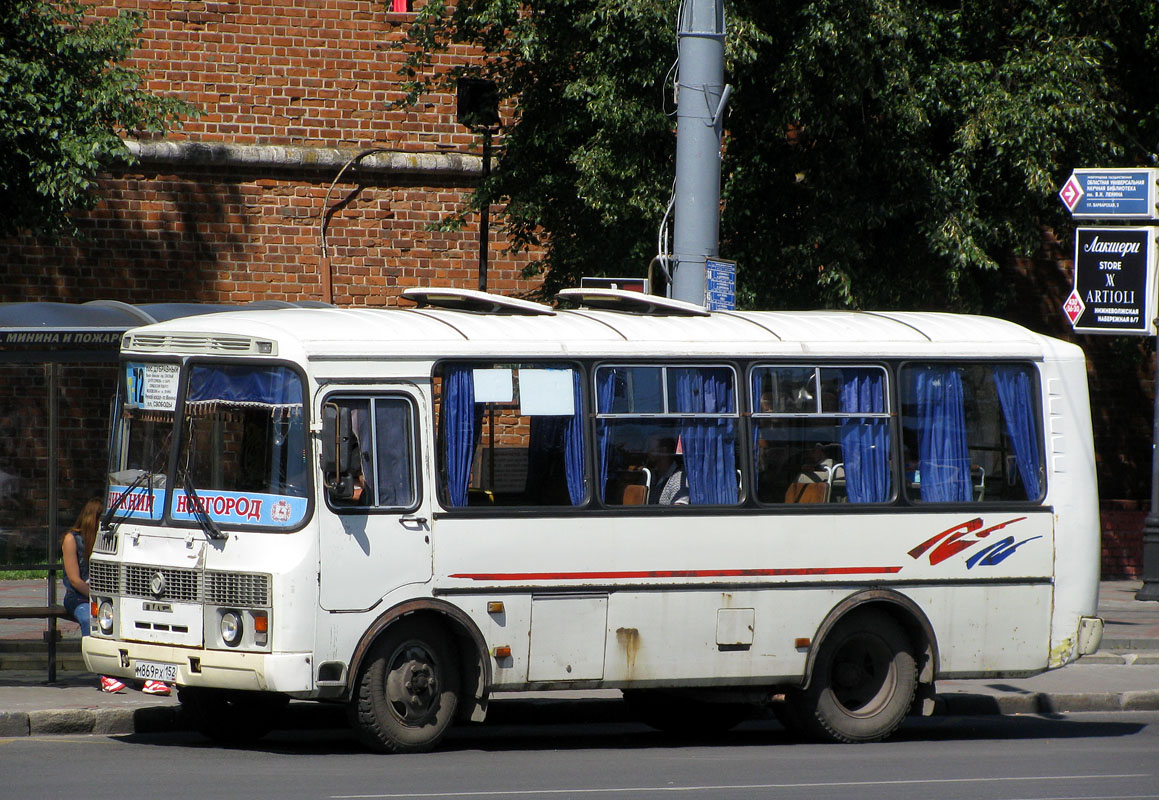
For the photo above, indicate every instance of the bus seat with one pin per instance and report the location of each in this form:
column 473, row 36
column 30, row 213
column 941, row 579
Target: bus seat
column 807, row 493
column 978, row 479
column 635, row 494
column 637, row 483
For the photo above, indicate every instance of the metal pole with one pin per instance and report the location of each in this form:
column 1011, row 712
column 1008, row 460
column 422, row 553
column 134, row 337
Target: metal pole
column 699, row 113
column 1150, row 588
column 54, row 552
column 485, row 215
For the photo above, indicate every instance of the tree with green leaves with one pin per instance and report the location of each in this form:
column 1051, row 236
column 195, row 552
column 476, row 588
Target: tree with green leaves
column 65, row 99
column 877, row 153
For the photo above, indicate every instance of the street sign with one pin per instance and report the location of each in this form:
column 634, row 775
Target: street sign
column 1112, row 193
column 719, row 284
column 1114, row 281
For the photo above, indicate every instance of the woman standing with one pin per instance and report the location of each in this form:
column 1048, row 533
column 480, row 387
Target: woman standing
column 76, row 547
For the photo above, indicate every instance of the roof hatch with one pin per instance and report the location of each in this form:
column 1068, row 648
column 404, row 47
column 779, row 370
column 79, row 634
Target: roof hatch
column 633, row 302
column 471, row 300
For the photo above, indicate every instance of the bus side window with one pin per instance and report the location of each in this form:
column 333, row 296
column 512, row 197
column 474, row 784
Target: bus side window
column 381, row 468
column 821, row 434
column 510, row 434
column 672, row 429
column 972, row 433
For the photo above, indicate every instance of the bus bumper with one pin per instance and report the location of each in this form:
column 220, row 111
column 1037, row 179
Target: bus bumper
column 1090, row 635
column 261, row 672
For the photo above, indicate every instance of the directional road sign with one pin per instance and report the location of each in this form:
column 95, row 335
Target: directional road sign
column 1112, row 194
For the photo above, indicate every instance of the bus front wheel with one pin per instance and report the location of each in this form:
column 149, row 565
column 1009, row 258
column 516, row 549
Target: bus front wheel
column 407, row 691
column 863, row 681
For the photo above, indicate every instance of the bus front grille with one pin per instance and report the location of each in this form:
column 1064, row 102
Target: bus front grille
column 238, row 589
column 180, row 585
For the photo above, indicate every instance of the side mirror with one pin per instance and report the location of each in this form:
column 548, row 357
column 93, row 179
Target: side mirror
column 341, row 459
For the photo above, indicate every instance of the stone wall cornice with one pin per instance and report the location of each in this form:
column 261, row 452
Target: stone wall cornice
column 292, row 160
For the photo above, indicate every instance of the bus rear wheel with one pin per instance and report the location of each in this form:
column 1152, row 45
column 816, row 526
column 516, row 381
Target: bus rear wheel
column 407, row 691
column 863, row 681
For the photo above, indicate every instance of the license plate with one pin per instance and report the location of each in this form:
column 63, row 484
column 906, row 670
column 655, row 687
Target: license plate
column 152, row 671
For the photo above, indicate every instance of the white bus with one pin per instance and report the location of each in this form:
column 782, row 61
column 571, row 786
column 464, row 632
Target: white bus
column 406, row 510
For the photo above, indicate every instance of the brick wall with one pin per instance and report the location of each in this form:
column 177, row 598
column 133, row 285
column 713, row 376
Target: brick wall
column 1122, row 539
column 299, row 73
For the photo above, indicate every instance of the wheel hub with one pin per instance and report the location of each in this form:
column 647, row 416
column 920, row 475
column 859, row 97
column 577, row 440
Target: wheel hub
column 861, row 677
column 847, row 675
column 419, row 680
column 412, row 687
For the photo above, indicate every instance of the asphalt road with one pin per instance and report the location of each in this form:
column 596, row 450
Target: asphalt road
column 1112, row 756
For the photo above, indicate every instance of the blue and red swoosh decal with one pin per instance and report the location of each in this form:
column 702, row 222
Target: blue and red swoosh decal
column 674, row 573
column 940, row 547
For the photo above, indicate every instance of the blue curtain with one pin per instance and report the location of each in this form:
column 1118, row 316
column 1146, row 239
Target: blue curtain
column 943, row 452
column 865, row 442
column 553, row 436
column 573, row 444
column 606, row 383
column 709, row 445
column 1015, row 396
column 461, row 428
column 270, row 386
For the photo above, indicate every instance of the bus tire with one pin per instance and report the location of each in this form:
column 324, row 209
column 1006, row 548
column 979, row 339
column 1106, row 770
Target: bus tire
column 673, row 712
column 229, row 716
column 863, row 681
column 408, row 689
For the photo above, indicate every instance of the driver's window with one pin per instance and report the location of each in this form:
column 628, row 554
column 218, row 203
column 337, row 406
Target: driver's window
column 384, row 472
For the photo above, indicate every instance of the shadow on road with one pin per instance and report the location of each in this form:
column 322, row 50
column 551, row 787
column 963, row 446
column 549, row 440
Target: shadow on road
column 582, row 731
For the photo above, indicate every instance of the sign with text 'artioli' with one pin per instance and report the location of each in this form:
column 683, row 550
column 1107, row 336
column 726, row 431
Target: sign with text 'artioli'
column 1114, row 281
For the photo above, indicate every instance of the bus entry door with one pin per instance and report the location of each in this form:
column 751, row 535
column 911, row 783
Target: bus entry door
column 374, row 526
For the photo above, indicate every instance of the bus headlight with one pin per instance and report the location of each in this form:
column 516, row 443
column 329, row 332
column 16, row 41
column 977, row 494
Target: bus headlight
column 231, row 628
column 105, row 617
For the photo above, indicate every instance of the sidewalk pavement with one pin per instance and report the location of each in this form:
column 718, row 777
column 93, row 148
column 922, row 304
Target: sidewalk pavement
column 1122, row 676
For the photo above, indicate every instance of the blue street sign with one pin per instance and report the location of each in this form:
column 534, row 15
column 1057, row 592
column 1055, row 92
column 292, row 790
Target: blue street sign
column 1111, row 194
column 719, row 285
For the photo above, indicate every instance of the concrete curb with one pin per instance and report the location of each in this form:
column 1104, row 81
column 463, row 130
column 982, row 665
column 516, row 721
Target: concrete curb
column 966, row 704
column 104, row 721
column 312, row 716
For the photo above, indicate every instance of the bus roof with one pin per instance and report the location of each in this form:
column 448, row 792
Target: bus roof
column 431, row 332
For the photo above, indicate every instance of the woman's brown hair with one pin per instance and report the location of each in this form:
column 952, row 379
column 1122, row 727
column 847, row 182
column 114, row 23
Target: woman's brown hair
column 87, row 523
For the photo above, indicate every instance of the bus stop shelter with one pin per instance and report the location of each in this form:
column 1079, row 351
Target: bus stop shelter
column 58, row 377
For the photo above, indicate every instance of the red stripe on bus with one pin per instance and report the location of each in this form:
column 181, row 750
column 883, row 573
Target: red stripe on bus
column 680, row 573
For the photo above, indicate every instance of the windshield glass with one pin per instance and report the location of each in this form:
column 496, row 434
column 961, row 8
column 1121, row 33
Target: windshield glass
column 141, row 439
column 241, row 445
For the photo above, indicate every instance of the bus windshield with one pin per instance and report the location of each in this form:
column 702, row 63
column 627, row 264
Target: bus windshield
column 240, row 440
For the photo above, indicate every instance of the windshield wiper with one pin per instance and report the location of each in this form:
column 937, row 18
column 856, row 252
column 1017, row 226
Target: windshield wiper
column 145, row 475
column 111, row 510
column 199, row 513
